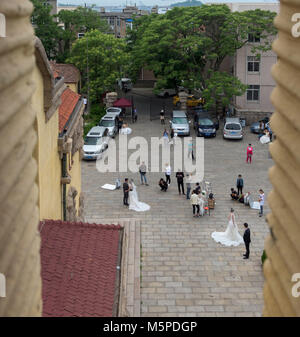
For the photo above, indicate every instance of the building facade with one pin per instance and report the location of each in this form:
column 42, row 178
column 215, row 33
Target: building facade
column 53, row 4
column 60, row 130
column 120, row 22
column 254, row 72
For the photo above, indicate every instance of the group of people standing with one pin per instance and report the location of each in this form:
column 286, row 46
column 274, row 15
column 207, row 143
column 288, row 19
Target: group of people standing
column 245, row 198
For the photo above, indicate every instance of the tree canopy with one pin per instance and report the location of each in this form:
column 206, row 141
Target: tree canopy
column 46, row 29
column 187, row 46
column 106, row 59
column 58, row 32
column 80, row 20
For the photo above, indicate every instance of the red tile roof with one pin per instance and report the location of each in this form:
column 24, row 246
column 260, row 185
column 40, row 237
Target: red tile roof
column 69, row 99
column 70, row 73
column 79, row 268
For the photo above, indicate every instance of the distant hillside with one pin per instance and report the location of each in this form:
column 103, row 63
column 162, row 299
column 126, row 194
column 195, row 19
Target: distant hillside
column 188, row 3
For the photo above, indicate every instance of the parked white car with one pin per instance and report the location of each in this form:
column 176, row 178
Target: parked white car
column 110, row 122
column 95, row 143
column 114, row 110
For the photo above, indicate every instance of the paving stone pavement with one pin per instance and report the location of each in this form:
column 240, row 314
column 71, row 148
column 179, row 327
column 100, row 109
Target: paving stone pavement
column 184, row 271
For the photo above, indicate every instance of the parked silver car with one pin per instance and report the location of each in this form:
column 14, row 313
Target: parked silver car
column 110, row 122
column 95, row 143
column 232, row 129
column 180, row 123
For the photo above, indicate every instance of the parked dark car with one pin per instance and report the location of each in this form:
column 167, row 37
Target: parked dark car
column 206, row 127
column 204, row 124
column 255, row 127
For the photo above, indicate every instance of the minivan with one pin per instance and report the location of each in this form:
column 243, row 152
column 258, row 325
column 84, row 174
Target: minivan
column 95, row 143
column 110, row 122
column 233, row 129
column 180, row 123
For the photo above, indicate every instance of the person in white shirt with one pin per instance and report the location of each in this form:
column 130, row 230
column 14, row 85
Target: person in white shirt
column 168, row 174
column 194, row 202
column 261, row 202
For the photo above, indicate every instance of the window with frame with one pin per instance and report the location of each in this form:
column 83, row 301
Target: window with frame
column 253, row 93
column 254, row 37
column 112, row 20
column 253, row 64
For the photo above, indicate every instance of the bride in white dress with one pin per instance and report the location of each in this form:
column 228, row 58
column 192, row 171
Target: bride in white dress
column 134, row 203
column 231, row 237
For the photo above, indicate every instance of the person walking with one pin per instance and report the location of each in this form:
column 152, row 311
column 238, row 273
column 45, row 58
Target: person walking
column 125, row 192
column 162, row 116
column 188, row 185
column 194, row 203
column 166, row 137
column 180, row 176
column 240, row 184
column 261, row 202
column 168, row 174
column 247, row 240
column 143, row 172
column 120, row 124
column 249, row 153
column 134, row 115
column 190, row 149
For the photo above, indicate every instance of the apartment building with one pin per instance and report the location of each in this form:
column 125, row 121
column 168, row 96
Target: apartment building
column 121, row 21
column 256, row 73
column 53, row 4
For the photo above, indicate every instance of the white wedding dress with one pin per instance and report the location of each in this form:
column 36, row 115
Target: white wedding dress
column 231, row 237
column 134, row 203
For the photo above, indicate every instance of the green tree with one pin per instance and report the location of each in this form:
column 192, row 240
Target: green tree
column 46, row 28
column 107, row 61
column 187, row 46
column 81, row 20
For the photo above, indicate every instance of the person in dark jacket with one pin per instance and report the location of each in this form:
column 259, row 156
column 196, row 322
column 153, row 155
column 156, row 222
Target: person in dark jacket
column 240, row 184
column 163, row 185
column 180, row 176
column 126, row 192
column 247, row 241
column 234, row 194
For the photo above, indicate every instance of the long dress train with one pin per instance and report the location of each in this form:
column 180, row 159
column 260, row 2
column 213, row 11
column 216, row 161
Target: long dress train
column 231, row 237
column 134, row 203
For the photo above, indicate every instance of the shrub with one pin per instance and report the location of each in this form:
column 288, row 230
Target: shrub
column 93, row 118
column 263, row 257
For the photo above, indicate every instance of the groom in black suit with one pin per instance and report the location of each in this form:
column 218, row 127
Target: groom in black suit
column 126, row 192
column 247, row 240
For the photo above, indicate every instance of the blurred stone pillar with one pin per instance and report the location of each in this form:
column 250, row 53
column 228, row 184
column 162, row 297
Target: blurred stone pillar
column 110, row 98
column 282, row 267
column 183, row 100
column 19, row 236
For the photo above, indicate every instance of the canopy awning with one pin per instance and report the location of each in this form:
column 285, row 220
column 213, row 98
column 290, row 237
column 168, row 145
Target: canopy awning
column 122, row 103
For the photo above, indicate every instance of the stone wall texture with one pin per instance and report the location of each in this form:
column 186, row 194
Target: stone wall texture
column 283, row 245
column 19, row 238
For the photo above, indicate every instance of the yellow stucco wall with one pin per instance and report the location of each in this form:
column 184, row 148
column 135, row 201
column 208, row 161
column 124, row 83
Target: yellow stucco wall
column 73, row 87
column 49, row 173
